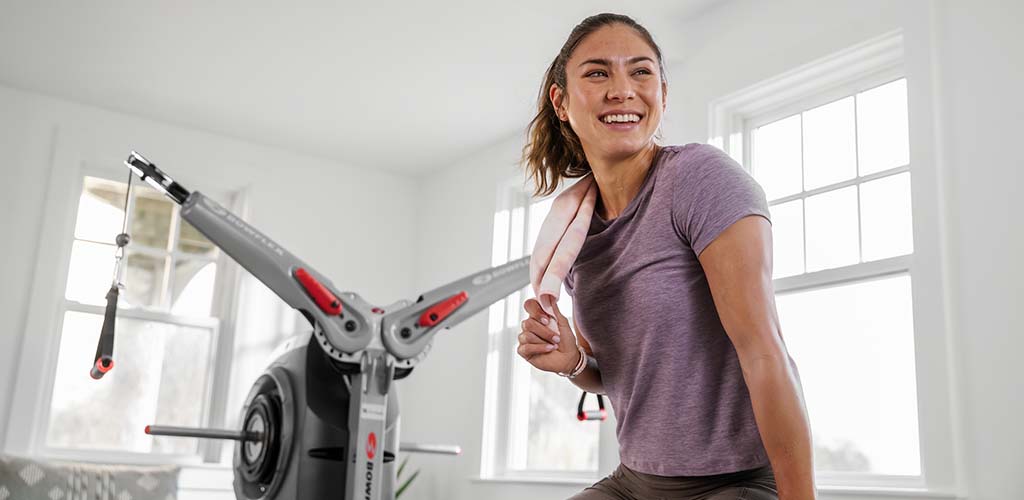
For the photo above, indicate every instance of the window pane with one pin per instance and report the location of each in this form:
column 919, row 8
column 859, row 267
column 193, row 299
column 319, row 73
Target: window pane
column 144, row 280
column 90, row 273
column 499, row 246
column 854, row 348
column 788, row 239
column 832, row 229
column 516, row 233
column 514, row 311
column 829, row 144
column 777, row 157
column 538, row 211
column 193, row 287
column 882, row 130
column 886, row 222
column 151, row 218
column 100, row 210
column 159, row 377
column 556, row 440
column 192, row 241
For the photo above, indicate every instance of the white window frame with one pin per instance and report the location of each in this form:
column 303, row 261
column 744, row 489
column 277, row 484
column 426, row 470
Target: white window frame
column 864, row 66
column 26, row 430
column 501, row 390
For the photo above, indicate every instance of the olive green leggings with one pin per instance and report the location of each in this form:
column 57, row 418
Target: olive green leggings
column 627, row 484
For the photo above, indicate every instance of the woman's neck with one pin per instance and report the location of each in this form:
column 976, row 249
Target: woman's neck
column 619, row 180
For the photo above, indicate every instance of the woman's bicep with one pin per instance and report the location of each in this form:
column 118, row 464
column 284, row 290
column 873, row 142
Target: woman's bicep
column 738, row 266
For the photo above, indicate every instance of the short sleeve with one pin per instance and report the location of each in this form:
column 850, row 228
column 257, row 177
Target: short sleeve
column 711, row 193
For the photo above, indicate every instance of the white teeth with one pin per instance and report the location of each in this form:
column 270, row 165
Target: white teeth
column 622, row 118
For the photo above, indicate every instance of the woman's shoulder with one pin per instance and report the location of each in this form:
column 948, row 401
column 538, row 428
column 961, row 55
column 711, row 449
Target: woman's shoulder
column 694, row 151
column 699, row 158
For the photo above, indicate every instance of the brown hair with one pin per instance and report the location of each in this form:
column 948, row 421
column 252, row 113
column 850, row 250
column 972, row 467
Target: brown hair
column 553, row 150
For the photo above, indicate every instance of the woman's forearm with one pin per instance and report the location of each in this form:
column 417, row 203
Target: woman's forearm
column 779, row 410
column 589, row 379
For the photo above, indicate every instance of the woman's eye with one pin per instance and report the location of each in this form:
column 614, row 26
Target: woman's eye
column 593, row 73
column 644, row 71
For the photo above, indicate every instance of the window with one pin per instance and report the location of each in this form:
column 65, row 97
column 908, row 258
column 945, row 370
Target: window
column 531, row 430
column 857, row 259
column 837, row 177
column 166, row 335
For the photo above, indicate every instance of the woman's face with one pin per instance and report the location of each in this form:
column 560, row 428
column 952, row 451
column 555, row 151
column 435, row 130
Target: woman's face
column 614, row 96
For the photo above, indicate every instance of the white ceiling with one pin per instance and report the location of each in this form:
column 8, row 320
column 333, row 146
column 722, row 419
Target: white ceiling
column 401, row 86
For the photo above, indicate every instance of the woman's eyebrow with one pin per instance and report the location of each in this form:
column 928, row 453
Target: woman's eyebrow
column 604, row 62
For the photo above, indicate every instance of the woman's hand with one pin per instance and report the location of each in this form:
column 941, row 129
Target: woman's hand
column 547, row 344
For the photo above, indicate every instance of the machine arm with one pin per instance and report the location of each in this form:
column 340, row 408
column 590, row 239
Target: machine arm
column 299, row 285
column 408, row 331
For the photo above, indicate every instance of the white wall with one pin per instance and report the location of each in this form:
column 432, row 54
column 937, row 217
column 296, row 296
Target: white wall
column 965, row 57
column 980, row 50
column 354, row 225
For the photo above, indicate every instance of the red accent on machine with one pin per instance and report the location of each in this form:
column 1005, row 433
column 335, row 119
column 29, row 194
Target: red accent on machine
column 321, row 295
column 441, row 310
column 102, row 366
column 371, row 446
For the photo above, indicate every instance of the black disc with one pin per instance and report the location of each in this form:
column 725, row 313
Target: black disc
column 260, row 464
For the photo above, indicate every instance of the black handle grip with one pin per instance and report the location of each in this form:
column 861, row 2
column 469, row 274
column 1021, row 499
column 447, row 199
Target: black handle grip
column 104, row 360
column 584, row 415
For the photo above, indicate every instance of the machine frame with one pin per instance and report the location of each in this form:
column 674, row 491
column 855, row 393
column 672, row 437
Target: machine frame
column 374, row 345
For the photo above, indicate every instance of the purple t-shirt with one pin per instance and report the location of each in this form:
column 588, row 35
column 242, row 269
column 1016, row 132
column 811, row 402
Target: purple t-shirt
column 641, row 299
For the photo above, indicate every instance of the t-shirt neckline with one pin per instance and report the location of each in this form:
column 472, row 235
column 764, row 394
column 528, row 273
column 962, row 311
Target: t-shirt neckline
column 631, row 207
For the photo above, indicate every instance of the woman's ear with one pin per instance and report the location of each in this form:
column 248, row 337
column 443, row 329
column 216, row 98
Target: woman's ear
column 664, row 96
column 557, row 98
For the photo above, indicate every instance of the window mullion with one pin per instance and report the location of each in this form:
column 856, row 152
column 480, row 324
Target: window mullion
column 171, row 261
column 803, row 203
column 856, row 163
column 841, row 275
column 843, row 184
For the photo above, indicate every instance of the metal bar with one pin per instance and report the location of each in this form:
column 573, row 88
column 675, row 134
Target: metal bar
column 440, row 449
column 168, row 430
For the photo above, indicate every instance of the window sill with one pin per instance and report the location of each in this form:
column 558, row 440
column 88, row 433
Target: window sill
column 206, row 477
column 876, row 493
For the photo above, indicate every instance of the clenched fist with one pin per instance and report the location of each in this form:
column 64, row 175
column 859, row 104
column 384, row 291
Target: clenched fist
column 548, row 343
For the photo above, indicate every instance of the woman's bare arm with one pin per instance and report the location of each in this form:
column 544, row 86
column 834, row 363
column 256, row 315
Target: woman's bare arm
column 738, row 265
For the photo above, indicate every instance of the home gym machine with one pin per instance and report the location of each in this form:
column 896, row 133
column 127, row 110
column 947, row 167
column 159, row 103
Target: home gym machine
column 322, row 420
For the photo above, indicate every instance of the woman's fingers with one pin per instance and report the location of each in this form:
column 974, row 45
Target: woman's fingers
column 533, row 308
column 528, row 351
column 545, row 333
column 531, row 338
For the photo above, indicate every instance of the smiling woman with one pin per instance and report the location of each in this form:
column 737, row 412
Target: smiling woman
column 666, row 252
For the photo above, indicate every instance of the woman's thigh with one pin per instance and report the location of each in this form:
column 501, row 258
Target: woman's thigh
column 613, row 487
column 625, row 484
column 744, row 493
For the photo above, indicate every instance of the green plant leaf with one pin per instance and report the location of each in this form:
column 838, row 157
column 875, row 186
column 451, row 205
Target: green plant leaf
column 406, row 483
column 401, row 467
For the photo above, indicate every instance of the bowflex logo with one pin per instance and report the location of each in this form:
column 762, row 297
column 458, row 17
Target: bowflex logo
column 371, row 450
column 371, row 446
column 486, row 277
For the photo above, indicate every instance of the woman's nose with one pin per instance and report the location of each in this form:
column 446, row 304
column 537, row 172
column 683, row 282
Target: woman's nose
column 620, row 88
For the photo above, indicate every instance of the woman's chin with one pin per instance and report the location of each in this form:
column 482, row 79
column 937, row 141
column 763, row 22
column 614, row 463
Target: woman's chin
column 625, row 148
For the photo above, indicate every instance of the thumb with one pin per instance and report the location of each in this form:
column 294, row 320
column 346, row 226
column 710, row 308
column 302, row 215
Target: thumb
column 563, row 323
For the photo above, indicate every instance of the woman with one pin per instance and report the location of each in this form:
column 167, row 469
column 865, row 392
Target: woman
column 674, row 309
